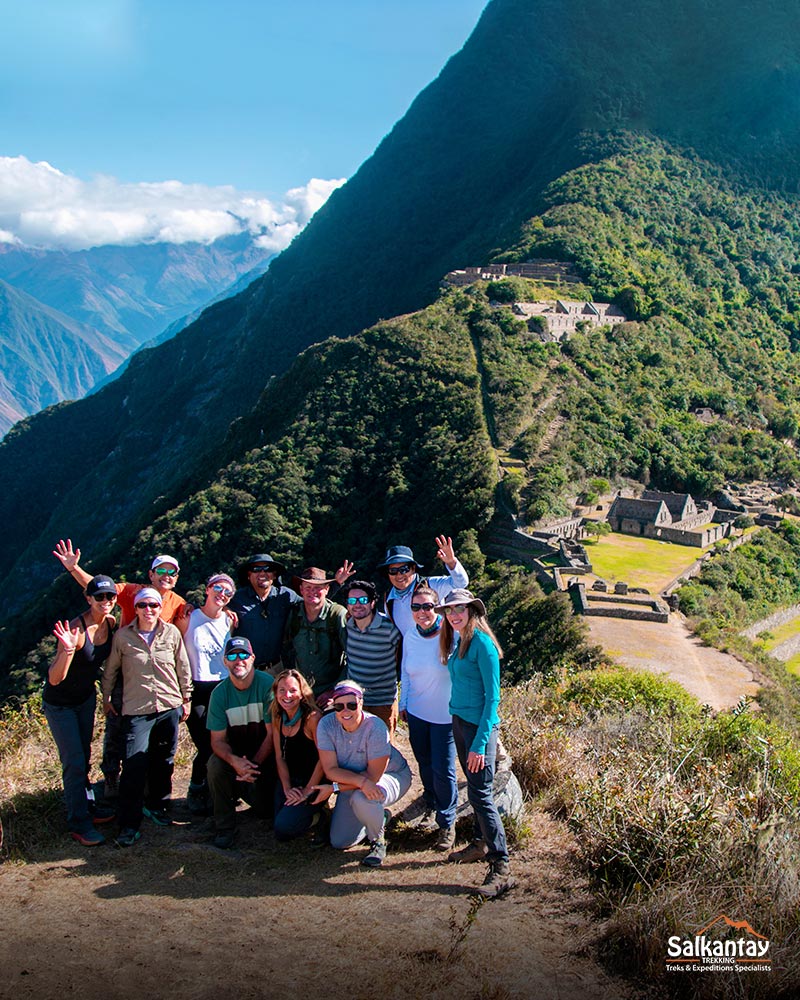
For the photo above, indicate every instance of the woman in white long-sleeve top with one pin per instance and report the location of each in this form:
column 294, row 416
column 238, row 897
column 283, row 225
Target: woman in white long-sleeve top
column 425, row 706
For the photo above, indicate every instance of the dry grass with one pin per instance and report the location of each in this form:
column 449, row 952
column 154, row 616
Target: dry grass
column 679, row 816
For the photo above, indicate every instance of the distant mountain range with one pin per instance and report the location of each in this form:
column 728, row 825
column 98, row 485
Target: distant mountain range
column 653, row 145
column 119, row 297
column 46, row 356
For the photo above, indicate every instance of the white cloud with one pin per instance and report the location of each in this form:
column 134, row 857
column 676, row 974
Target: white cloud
column 41, row 206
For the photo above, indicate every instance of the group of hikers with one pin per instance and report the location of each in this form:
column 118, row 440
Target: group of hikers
column 291, row 700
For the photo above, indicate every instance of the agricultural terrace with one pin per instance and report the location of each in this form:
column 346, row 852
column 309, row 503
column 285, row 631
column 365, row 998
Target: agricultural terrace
column 779, row 635
column 640, row 562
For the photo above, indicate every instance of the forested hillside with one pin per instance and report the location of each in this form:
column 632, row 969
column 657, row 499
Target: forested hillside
column 392, row 434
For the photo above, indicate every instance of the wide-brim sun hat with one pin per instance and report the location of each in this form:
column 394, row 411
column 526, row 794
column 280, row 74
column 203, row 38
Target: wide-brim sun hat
column 459, row 597
column 313, row 575
column 399, row 554
column 259, row 557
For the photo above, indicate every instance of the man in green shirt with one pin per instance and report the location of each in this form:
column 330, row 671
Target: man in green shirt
column 241, row 765
column 315, row 632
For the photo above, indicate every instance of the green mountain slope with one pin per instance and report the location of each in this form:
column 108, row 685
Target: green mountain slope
column 397, row 419
column 391, row 434
column 453, row 182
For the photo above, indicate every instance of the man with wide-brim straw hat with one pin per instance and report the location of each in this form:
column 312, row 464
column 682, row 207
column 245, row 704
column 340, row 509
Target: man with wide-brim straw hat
column 403, row 572
column 315, row 631
column 262, row 605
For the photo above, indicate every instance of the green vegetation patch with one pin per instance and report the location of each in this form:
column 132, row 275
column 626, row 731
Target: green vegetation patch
column 622, row 689
column 641, row 562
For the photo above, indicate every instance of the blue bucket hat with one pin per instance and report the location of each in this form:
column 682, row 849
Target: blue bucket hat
column 399, row 554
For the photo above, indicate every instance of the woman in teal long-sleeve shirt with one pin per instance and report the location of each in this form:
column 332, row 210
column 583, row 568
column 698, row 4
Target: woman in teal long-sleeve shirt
column 474, row 666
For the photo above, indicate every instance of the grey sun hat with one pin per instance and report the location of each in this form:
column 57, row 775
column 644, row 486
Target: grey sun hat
column 465, row 597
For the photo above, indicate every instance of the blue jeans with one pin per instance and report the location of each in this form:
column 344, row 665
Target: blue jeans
column 435, row 750
column 292, row 821
column 150, row 744
column 480, row 788
column 72, row 727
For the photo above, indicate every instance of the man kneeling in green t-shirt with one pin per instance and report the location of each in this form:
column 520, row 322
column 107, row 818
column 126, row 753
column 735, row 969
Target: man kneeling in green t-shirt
column 241, row 741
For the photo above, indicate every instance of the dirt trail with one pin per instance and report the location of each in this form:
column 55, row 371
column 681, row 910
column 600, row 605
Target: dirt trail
column 174, row 917
column 715, row 678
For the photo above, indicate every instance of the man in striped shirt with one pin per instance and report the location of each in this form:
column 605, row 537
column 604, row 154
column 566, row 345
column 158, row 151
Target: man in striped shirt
column 374, row 647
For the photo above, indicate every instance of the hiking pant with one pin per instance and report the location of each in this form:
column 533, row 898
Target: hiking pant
column 480, row 788
column 355, row 816
column 150, row 744
column 72, row 727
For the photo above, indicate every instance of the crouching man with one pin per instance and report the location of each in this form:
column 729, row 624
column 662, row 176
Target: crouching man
column 241, row 765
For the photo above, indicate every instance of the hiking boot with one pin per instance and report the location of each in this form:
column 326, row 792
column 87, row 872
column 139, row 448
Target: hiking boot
column 225, row 840
column 446, row 838
column 159, row 816
column 101, row 814
column 498, row 880
column 197, row 800
column 476, row 850
column 427, row 822
column 377, row 853
column 321, row 836
column 128, row 837
column 91, row 838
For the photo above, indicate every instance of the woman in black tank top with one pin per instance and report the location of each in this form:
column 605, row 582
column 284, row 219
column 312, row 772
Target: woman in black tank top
column 69, row 699
column 294, row 727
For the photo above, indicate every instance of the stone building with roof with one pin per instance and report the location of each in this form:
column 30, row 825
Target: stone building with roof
column 561, row 317
column 670, row 517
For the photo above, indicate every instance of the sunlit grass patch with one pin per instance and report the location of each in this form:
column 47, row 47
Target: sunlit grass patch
column 640, row 562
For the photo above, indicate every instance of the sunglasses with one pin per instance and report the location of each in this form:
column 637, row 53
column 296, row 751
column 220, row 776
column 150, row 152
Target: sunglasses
column 358, row 600
column 423, row 607
column 455, row 609
column 341, row 706
column 233, row 657
column 166, row 571
column 397, row 570
column 260, row 568
column 219, row 589
column 150, row 607
column 102, row 598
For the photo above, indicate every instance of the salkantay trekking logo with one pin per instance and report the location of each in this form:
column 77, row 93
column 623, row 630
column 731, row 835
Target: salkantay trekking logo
column 720, row 952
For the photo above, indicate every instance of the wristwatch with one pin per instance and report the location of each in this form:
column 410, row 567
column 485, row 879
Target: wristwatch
column 335, row 786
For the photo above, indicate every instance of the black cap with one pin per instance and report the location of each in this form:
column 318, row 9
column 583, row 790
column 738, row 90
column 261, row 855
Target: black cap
column 101, row 585
column 238, row 644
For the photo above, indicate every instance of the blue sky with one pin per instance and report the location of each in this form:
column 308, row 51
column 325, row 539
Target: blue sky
column 258, row 95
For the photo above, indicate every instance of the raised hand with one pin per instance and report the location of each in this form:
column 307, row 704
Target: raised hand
column 66, row 555
column 445, row 550
column 67, row 637
column 344, row 572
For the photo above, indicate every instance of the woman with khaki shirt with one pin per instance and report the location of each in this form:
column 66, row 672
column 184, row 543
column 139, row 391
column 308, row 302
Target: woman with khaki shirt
column 157, row 690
